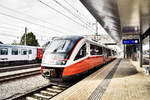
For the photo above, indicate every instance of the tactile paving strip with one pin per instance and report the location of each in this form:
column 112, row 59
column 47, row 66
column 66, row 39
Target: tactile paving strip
column 99, row 91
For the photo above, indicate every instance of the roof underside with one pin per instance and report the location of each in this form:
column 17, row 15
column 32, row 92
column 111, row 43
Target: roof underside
column 114, row 15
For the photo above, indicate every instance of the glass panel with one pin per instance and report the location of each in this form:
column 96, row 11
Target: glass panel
column 59, row 46
column 30, row 51
column 81, row 53
column 23, row 52
column 3, row 51
column 95, row 50
column 14, row 51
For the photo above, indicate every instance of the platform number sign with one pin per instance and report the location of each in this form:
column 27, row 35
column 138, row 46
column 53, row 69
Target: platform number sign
column 131, row 41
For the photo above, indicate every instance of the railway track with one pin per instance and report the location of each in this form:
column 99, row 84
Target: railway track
column 19, row 75
column 14, row 68
column 44, row 93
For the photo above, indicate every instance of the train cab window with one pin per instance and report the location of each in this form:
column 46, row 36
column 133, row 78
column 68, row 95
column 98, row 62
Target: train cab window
column 3, row 51
column 81, row 53
column 30, row 51
column 14, row 51
column 23, row 52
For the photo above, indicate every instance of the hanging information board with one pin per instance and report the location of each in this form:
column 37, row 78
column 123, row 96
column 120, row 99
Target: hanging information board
column 130, row 41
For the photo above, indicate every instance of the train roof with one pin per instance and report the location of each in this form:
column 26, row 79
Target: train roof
column 97, row 43
column 69, row 38
column 19, row 46
column 76, row 38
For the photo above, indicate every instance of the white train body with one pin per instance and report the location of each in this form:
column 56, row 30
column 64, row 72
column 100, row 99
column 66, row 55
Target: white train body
column 17, row 53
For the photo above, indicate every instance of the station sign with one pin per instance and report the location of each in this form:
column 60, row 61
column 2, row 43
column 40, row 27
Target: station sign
column 130, row 41
column 127, row 29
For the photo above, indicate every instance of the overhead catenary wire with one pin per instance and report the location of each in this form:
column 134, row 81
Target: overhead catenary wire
column 30, row 22
column 84, row 17
column 3, row 29
column 39, row 19
column 10, row 28
column 12, row 25
column 31, row 30
column 7, row 34
column 69, row 11
column 61, row 13
column 10, row 32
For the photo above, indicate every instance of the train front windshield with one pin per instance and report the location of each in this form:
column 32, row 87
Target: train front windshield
column 58, row 51
column 58, row 46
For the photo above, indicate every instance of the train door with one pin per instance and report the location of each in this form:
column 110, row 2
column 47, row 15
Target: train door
column 104, row 54
column 24, row 55
column 81, row 53
column 14, row 54
column 96, row 53
column 30, row 54
column 39, row 53
column 81, row 60
column 4, row 54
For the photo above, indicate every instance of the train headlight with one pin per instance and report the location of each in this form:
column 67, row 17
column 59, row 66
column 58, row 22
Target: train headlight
column 61, row 62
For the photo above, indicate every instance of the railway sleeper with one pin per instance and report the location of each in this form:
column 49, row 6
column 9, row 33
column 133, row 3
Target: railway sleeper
column 47, row 93
column 54, row 90
column 30, row 98
column 41, row 96
column 63, row 86
column 57, row 87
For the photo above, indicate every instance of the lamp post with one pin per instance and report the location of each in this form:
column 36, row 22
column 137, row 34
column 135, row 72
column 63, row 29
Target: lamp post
column 25, row 41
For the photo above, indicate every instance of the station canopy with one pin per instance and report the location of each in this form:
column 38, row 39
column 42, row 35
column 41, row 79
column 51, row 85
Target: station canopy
column 122, row 19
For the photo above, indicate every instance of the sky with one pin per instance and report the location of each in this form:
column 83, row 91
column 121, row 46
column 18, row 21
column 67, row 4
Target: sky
column 45, row 18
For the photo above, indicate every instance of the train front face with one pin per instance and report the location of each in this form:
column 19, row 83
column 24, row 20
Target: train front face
column 56, row 57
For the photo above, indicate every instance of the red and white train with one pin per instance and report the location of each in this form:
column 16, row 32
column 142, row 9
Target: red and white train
column 17, row 54
column 68, row 57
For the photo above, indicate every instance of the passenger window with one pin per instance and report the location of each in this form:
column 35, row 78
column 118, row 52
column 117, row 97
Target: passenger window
column 95, row 50
column 23, row 52
column 3, row 51
column 81, row 53
column 30, row 51
column 108, row 52
column 100, row 51
column 14, row 51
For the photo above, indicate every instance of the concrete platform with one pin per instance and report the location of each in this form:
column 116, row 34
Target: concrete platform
column 116, row 81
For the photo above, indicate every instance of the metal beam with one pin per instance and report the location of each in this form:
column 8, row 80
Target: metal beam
column 141, row 52
column 147, row 33
column 110, row 43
